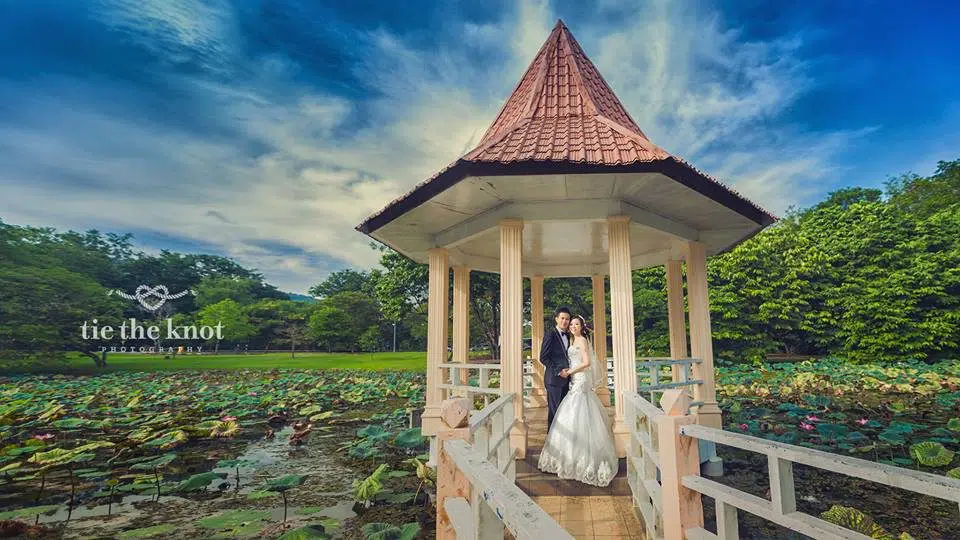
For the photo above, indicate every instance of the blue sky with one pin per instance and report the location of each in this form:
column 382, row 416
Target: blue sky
column 266, row 130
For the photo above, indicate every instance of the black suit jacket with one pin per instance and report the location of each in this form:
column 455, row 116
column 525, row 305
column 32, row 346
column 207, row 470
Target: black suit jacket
column 553, row 356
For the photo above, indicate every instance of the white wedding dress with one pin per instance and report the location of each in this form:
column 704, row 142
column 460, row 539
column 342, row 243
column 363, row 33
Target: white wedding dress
column 579, row 445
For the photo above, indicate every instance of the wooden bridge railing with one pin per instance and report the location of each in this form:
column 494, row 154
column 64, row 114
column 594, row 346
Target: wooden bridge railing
column 459, row 375
column 477, row 498
column 664, row 476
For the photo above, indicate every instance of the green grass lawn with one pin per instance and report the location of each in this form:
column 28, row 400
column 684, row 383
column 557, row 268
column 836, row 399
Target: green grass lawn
column 76, row 364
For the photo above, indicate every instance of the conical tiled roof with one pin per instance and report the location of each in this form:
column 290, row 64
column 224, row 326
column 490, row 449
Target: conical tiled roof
column 563, row 118
column 563, row 110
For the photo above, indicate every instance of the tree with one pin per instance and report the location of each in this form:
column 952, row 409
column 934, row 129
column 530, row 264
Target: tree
column 294, row 330
column 923, row 197
column 347, row 280
column 213, row 289
column 231, row 317
column 402, row 286
column 43, row 311
column 327, row 324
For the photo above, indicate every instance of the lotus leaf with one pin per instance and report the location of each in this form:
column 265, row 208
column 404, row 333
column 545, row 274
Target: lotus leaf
column 32, row 511
column 147, row 532
column 307, row 532
column 374, row 433
column 199, row 481
column 236, row 522
column 260, row 494
column 410, row 438
column 385, row 531
column 855, row 520
column 285, row 482
column 931, row 454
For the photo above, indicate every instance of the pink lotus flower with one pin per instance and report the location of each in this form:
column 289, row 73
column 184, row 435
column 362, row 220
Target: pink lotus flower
column 812, row 418
column 806, row 427
column 862, row 421
column 44, row 437
column 252, row 394
column 228, row 418
column 744, row 427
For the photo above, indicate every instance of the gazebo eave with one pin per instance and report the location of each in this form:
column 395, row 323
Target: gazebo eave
column 677, row 170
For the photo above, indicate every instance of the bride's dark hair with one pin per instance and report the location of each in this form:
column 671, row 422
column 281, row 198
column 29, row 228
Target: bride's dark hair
column 583, row 325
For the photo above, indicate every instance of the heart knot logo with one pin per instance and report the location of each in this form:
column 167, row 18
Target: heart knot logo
column 151, row 298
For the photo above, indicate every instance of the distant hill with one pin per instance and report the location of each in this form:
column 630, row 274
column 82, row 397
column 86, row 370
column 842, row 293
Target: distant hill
column 301, row 298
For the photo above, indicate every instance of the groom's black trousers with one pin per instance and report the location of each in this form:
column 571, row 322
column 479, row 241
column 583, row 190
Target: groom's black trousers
column 555, row 395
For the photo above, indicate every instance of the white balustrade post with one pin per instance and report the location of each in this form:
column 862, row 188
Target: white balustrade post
column 451, row 481
column 679, row 457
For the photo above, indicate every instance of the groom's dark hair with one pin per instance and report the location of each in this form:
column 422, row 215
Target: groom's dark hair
column 563, row 309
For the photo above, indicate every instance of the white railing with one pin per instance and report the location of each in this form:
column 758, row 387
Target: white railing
column 477, row 497
column 650, row 375
column 490, row 433
column 458, row 374
column 664, row 476
column 643, row 462
column 782, row 508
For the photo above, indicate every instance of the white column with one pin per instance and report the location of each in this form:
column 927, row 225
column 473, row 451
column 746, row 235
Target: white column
column 701, row 347
column 600, row 333
column 538, row 396
column 439, row 283
column 676, row 315
column 511, row 325
column 461, row 321
column 621, row 316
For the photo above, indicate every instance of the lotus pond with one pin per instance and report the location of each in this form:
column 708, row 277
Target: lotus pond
column 328, row 454
column 219, row 454
column 907, row 415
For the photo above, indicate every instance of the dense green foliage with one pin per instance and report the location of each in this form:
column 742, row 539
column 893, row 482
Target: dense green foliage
column 867, row 275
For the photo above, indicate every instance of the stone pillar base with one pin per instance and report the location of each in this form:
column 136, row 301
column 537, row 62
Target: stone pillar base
column 710, row 415
column 538, row 398
column 518, row 438
column 430, row 421
column 621, row 438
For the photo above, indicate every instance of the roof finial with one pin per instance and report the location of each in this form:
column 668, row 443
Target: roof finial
column 560, row 24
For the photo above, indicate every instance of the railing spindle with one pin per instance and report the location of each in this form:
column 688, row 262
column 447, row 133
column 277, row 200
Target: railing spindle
column 782, row 493
column 728, row 527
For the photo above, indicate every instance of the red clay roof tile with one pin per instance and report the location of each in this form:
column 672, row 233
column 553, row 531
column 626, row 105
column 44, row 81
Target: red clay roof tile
column 563, row 111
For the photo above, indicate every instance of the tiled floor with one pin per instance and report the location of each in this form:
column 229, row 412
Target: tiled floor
column 585, row 511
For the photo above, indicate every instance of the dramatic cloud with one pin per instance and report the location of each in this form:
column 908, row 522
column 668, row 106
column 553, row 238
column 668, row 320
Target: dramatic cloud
column 257, row 153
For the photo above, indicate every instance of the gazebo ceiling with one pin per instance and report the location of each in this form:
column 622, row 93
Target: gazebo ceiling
column 563, row 155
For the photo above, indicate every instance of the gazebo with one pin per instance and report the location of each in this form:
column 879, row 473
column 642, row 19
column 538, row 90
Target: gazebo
column 566, row 184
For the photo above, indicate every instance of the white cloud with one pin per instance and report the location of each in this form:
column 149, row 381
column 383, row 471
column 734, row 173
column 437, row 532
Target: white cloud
column 690, row 83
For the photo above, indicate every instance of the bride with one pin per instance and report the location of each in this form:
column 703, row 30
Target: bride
column 579, row 445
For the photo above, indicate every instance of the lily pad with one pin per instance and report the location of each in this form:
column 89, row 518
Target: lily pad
column 410, row 438
column 147, row 532
column 29, row 512
column 931, row 454
column 199, row 481
column 309, row 532
column 236, row 522
column 285, row 482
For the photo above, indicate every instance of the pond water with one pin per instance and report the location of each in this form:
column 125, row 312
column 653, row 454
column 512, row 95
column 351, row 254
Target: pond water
column 325, row 497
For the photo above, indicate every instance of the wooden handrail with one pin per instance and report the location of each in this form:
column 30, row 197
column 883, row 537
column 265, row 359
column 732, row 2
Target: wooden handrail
column 519, row 512
column 939, row 486
column 487, row 412
column 467, row 365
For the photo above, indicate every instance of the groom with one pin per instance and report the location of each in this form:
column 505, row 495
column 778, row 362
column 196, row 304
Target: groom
column 556, row 363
